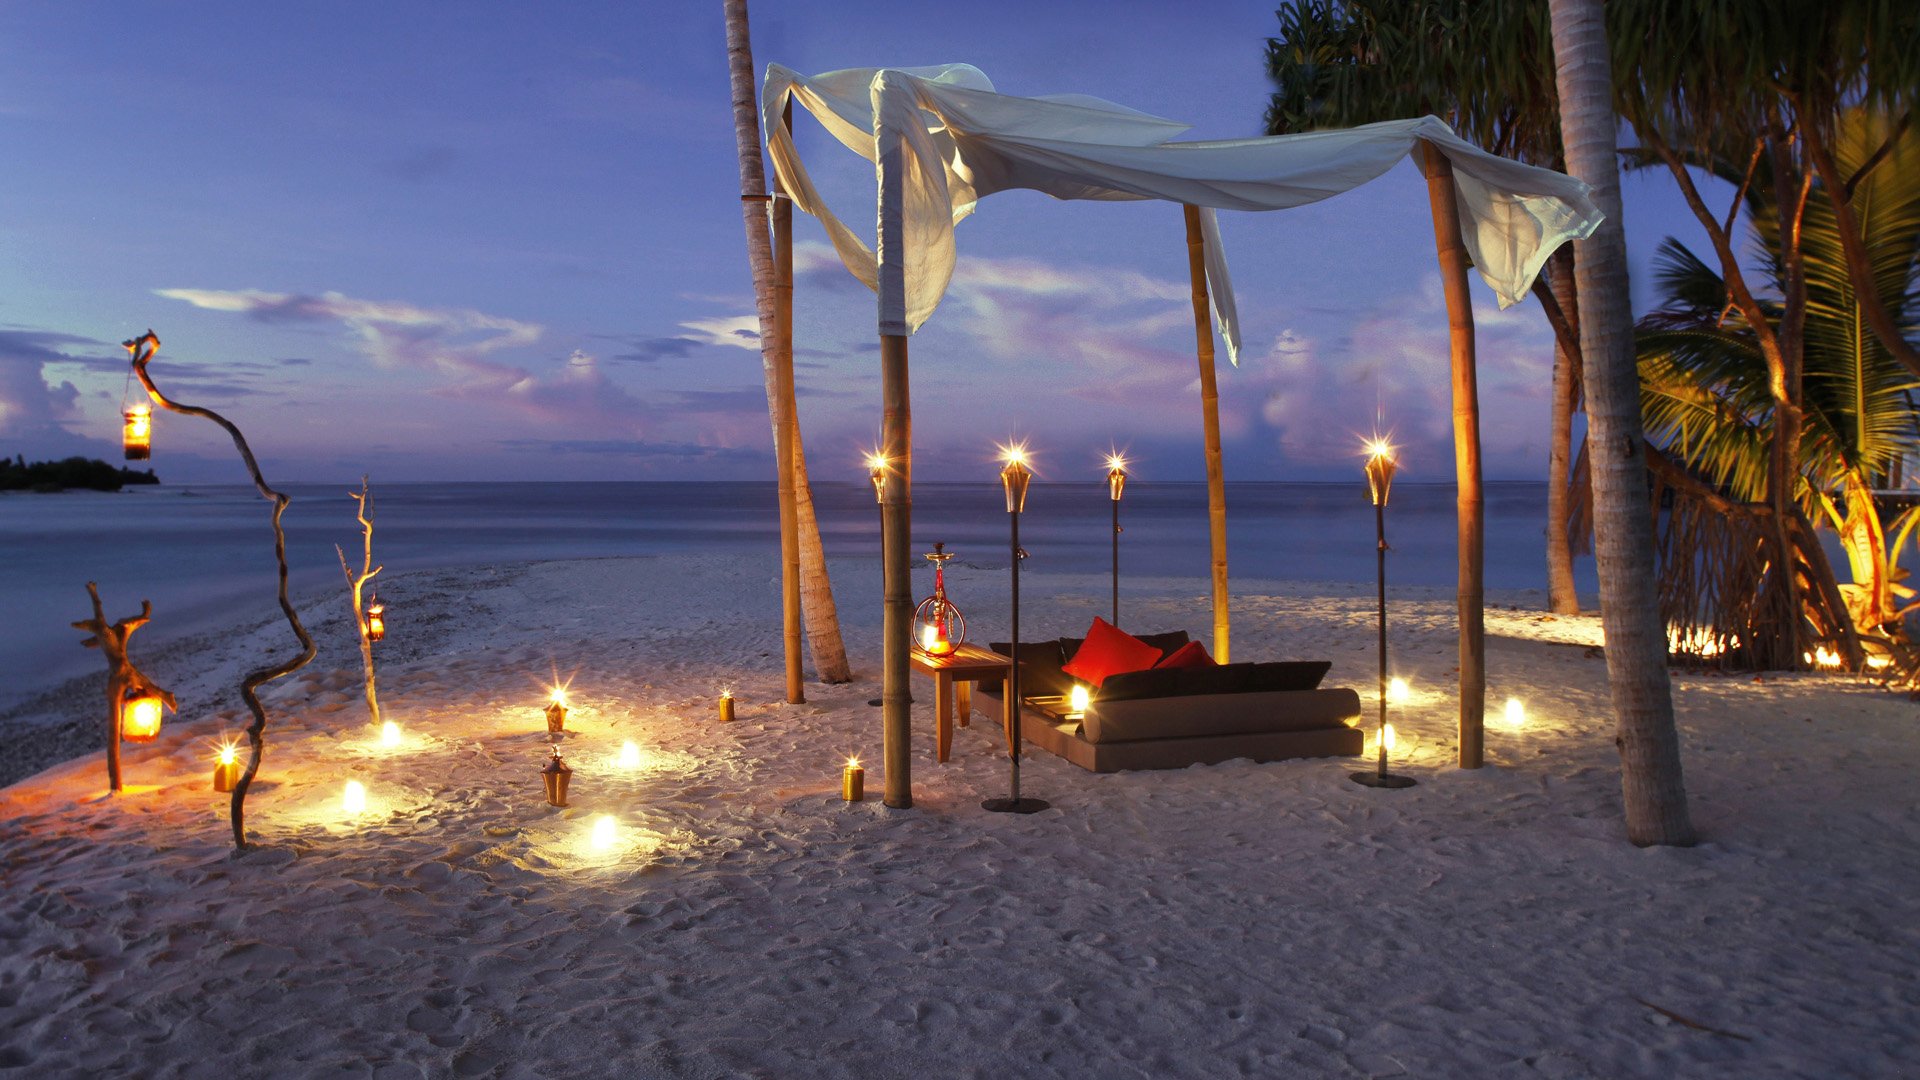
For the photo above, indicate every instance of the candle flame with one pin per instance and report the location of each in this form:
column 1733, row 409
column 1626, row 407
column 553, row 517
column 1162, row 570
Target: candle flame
column 389, row 734
column 1399, row 692
column 629, row 755
column 227, row 751
column 853, row 763
column 726, row 692
column 1078, row 699
column 558, row 696
column 1516, row 714
column 1386, row 734
column 354, row 799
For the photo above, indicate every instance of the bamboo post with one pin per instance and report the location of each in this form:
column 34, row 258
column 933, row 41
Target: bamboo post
column 1210, row 414
column 783, row 425
column 1470, row 506
column 896, row 514
column 356, row 587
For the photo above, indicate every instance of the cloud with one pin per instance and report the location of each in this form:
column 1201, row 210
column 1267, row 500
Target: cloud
column 29, row 404
column 738, row 331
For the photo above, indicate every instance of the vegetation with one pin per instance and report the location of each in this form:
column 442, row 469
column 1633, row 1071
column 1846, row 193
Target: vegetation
column 88, row 474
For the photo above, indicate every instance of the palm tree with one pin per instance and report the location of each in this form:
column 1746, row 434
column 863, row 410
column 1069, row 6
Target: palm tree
column 1705, row 380
column 1488, row 69
column 802, row 561
column 1652, row 782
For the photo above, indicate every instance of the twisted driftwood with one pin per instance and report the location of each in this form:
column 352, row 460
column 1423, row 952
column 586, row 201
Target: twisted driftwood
column 122, row 676
column 357, row 583
column 143, row 348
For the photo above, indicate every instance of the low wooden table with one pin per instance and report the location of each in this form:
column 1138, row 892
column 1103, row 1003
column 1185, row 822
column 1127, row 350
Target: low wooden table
column 965, row 666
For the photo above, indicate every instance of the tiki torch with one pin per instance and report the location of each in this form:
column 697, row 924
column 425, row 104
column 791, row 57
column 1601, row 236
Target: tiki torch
column 877, row 472
column 1014, row 477
column 1380, row 468
column 1116, row 482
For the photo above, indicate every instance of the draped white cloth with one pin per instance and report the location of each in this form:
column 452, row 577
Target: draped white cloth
column 941, row 139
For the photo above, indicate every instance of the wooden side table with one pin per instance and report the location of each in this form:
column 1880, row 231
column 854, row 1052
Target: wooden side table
column 965, row 666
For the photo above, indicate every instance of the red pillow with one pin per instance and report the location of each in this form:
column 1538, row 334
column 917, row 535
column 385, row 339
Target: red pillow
column 1191, row 655
column 1108, row 651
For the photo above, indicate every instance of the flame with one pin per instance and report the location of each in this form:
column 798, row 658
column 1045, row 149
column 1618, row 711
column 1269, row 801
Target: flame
column 1516, row 714
column 558, row 695
column 1824, row 658
column 1116, row 463
column 389, row 734
column 1386, row 733
column 1379, row 447
column 853, row 763
column 227, row 752
column 354, row 799
column 629, row 755
column 606, row 831
column 1079, row 699
column 1014, row 453
column 876, row 461
column 1399, row 692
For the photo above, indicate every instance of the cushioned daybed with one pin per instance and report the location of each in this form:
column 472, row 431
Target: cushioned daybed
column 1169, row 718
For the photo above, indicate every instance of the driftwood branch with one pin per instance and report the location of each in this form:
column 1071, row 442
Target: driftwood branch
column 122, row 675
column 143, row 348
column 356, row 586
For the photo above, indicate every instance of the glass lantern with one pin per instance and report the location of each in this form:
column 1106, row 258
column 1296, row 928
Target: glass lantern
column 140, row 715
column 376, row 620
column 938, row 626
column 136, row 432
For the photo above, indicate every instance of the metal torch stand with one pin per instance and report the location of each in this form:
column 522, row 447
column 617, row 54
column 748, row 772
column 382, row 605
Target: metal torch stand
column 1381, row 778
column 1116, row 562
column 1015, row 804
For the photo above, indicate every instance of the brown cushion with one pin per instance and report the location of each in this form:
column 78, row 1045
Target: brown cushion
column 1219, row 714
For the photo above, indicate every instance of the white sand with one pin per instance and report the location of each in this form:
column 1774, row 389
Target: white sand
column 1235, row 920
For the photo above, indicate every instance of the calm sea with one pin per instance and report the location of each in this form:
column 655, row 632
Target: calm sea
column 193, row 550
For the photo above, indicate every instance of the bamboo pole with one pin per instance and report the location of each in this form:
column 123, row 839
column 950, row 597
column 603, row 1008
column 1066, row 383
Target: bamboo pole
column 1470, row 506
column 1210, row 414
column 783, row 434
column 896, row 514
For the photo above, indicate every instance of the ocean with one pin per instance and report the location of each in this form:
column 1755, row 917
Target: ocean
column 197, row 551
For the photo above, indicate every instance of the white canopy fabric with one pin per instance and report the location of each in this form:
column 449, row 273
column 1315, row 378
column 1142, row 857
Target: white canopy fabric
column 950, row 140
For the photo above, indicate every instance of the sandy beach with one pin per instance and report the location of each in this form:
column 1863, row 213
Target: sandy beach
column 1231, row 920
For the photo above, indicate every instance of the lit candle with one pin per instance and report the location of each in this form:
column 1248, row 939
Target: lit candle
column 376, row 620
column 1398, row 692
column 1077, row 701
column 853, row 780
column 137, row 436
column 354, row 800
column 556, row 776
column 226, row 768
column 140, row 716
column 726, row 706
column 1516, row 714
column 629, row 755
column 557, row 711
column 1386, row 736
column 605, row 830
column 389, row 734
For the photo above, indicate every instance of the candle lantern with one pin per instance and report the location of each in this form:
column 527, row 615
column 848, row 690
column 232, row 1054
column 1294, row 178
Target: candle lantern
column 938, row 626
column 853, row 780
column 136, row 433
column 376, row 620
column 557, row 711
column 226, row 768
column 1380, row 470
column 1078, row 702
column 1116, row 483
column 726, row 706
column 556, row 775
column 140, row 714
column 1014, row 478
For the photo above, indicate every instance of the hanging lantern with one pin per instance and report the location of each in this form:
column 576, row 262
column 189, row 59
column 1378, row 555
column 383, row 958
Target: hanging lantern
column 376, row 620
column 557, row 711
column 938, row 626
column 226, row 768
column 556, row 775
column 136, row 435
column 140, row 714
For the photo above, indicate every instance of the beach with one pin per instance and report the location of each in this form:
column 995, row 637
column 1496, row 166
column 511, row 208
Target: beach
column 1238, row 919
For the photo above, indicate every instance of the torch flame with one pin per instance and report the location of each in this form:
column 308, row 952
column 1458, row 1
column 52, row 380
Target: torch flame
column 1014, row 453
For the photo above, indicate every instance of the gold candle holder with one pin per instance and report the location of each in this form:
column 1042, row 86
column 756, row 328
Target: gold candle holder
column 726, row 706
column 226, row 768
column 556, row 775
column 853, row 781
column 557, row 711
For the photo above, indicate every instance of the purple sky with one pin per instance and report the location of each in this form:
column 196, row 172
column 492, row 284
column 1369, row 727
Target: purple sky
column 466, row 242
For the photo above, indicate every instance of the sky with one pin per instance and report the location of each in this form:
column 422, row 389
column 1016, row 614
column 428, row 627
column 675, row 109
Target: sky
column 453, row 241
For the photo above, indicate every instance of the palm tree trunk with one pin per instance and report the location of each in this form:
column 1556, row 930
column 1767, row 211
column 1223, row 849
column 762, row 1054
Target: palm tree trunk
column 1470, row 502
column 1562, row 597
column 817, row 609
column 1210, row 422
column 1653, row 786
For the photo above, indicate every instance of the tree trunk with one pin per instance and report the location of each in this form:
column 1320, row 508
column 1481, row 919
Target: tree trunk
column 1562, row 597
column 1210, row 420
column 1653, row 787
column 1470, row 502
column 896, row 627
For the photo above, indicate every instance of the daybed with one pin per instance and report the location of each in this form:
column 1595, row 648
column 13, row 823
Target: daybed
column 1171, row 718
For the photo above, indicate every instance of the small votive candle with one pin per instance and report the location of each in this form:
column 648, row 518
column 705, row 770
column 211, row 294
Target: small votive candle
column 726, row 706
column 853, row 781
column 354, row 800
column 1078, row 701
column 226, row 769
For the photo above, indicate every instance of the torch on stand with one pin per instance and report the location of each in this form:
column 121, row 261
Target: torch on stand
column 1116, row 482
column 1380, row 468
column 877, row 472
column 1014, row 477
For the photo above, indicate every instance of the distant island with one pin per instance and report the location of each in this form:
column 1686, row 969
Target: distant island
column 86, row 474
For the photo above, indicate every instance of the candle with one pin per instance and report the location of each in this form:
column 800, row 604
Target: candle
column 1516, row 714
column 726, row 706
column 557, row 711
column 226, row 768
column 853, row 780
column 556, row 776
column 354, row 799
column 629, row 755
column 1398, row 692
column 389, row 734
column 1077, row 702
